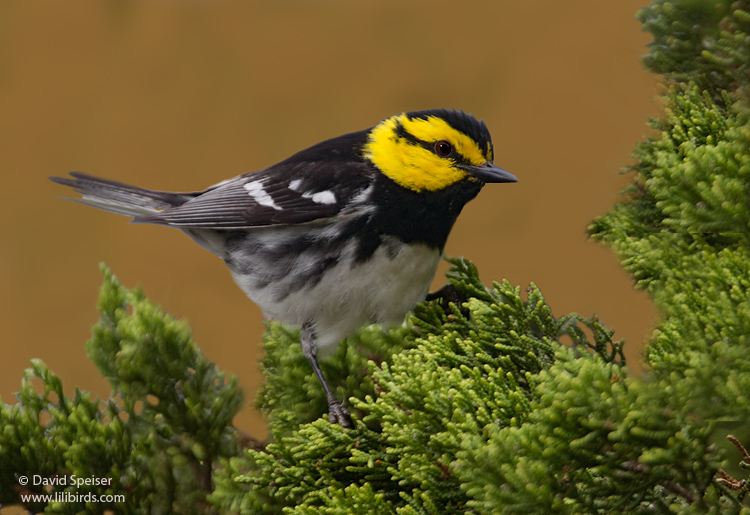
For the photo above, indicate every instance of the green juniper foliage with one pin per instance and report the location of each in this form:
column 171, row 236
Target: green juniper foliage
column 156, row 440
column 684, row 235
column 472, row 406
column 683, row 231
column 483, row 411
column 703, row 41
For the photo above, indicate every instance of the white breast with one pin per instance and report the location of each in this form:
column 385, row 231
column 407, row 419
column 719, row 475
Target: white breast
column 350, row 295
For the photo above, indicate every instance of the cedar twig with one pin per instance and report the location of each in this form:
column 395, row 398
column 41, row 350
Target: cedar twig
column 741, row 485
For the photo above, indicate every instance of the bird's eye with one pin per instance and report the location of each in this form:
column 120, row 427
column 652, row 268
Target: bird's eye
column 443, row 148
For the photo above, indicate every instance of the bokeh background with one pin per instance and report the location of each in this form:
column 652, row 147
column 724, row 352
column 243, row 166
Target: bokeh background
column 182, row 94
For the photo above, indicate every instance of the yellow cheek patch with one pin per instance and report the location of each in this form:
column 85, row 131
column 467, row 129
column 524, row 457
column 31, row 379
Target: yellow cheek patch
column 410, row 164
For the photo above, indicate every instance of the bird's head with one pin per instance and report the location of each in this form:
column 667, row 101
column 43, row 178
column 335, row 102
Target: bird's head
column 432, row 150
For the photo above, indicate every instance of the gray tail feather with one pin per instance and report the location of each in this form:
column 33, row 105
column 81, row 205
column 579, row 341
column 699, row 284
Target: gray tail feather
column 120, row 198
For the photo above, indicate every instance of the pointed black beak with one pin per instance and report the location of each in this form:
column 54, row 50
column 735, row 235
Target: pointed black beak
column 489, row 172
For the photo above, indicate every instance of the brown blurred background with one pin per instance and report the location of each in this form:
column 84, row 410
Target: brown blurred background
column 182, row 94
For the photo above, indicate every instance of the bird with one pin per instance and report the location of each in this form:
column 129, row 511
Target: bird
column 346, row 233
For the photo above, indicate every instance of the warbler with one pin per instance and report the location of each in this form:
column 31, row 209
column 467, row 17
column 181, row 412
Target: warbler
column 346, row 233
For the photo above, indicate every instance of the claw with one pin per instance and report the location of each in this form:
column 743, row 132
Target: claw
column 337, row 414
column 449, row 294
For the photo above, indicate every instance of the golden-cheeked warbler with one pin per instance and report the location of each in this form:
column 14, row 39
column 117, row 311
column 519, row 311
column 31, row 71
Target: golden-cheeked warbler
column 346, row 233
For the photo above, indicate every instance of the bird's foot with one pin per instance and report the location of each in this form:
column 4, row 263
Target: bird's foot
column 449, row 294
column 338, row 414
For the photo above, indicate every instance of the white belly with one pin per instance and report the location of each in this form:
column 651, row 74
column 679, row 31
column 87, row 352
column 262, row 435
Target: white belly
column 381, row 289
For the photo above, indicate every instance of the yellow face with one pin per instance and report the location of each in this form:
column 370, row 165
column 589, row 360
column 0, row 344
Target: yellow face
column 408, row 150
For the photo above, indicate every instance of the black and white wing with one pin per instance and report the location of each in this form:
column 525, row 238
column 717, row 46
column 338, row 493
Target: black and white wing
column 287, row 193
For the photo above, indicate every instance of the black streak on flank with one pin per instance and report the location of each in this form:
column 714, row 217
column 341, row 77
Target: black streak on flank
column 295, row 255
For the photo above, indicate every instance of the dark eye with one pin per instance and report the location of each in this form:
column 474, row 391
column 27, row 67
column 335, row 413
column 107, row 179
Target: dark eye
column 443, row 148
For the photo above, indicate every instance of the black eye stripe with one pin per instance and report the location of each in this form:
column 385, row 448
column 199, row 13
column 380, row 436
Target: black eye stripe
column 401, row 132
column 460, row 121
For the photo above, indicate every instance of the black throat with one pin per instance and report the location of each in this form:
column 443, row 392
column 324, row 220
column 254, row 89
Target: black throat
column 425, row 217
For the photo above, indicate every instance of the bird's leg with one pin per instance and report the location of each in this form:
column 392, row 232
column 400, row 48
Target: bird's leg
column 337, row 414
